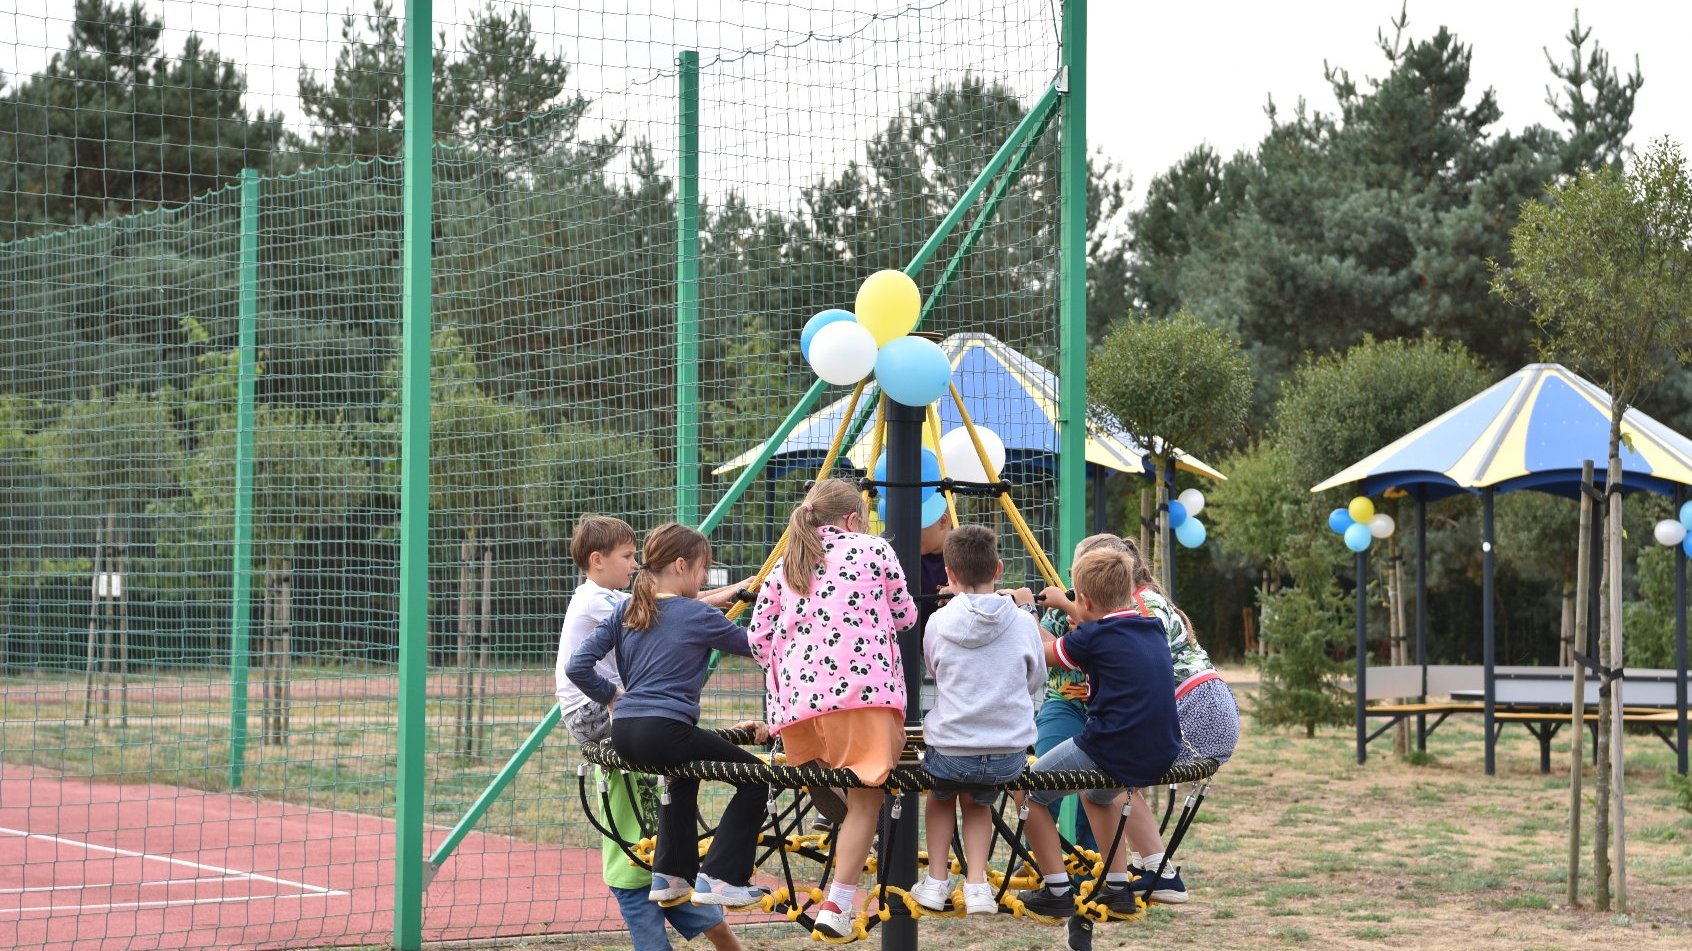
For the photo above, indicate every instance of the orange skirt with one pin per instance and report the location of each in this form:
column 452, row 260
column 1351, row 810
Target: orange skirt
column 865, row 740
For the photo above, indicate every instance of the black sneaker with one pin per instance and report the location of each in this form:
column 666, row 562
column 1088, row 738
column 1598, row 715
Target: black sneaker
column 1080, row 934
column 1041, row 901
column 1169, row 890
column 1119, row 899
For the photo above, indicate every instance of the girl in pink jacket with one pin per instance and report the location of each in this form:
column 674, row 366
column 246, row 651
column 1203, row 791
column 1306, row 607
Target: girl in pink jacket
column 824, row 629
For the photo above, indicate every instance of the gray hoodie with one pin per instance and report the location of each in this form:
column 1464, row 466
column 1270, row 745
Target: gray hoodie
column 989, row 673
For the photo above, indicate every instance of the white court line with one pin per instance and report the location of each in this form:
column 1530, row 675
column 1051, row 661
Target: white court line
column 160, row 904
column 253, row 876
column 163, row 881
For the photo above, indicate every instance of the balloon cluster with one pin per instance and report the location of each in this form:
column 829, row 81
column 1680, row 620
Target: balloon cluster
column 843, row 347
column 1676, row 531
column 1183, row 518
column 1359, row 523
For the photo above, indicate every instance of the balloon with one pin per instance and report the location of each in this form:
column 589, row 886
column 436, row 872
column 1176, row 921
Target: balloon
column 1177, row 515
column 962, row 461
column 1357, row 537
column 1670, row 533
column 1193, row 499
column 1686, row 515
column 831, row 316
column 1382, row 526
column 930, row 473
column 887, row 306
column 913, row 371
column 932, row 509
column 842, row 353
column 1686, row 545
column 1361, row 509
column 1190, row 533
column 1338, row 521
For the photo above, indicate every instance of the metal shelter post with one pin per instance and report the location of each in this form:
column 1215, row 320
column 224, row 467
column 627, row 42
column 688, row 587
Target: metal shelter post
column 1362, row 680
column 1680, row 640
column 1422, row 611
column 1488, row 645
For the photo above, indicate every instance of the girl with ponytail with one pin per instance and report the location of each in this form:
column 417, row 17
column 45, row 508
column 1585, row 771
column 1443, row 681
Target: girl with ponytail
column 824, row 628
column 662, row 638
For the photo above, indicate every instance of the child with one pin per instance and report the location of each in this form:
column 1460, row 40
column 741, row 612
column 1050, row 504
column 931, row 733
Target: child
column 988, row 668
column 1130, row 732
column 603, row 548
column 824, row 628
column 663, row 637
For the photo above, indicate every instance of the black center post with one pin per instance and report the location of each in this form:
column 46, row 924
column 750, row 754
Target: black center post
column 904, row 526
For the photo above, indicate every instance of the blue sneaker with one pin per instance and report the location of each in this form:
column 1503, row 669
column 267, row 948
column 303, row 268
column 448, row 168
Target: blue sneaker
column 1169, row 890
column 715, row 891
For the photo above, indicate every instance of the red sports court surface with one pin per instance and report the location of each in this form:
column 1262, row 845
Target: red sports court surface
column 106, row 866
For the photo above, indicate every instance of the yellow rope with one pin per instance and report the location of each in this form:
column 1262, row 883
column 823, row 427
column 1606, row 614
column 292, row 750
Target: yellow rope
column 739, row 607
column 1041, row 562
column 878, row 436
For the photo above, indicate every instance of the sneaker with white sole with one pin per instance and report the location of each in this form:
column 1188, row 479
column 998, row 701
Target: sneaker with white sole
column 1169, row 890
column 715, row 891
column 668, row 888
column 831, row 921
column 978, row 900
column 935, row 896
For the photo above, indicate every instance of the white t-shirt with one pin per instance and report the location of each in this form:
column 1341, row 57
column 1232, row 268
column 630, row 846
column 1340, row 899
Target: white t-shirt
column 591, row 604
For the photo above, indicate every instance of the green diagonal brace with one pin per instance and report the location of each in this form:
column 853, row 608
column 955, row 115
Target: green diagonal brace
column 502, row 779
column 1016, row 147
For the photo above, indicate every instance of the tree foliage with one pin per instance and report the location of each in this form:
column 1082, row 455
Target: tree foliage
column 1171, row 383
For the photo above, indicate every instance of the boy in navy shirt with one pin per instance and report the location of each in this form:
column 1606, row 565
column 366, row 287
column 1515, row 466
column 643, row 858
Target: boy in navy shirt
column 1131, row 732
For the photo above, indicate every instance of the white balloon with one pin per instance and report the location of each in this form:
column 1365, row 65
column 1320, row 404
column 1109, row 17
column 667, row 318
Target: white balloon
column 1670, row 532
column 843, row 353
column 1382, row 526
column 1193, row 499
column 959, row 455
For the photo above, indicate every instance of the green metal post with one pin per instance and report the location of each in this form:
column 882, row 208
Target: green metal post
column 924, row 254
column 241, row 572
column 506, row 774
column 1072, row 293
column 687, row 296
column 409, row 871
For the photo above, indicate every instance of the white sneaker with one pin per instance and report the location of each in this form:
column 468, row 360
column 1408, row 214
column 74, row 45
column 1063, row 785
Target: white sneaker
column 668, row 888
column 831, row 921
column 715, row 891
column 978, row 900
column 934, row 896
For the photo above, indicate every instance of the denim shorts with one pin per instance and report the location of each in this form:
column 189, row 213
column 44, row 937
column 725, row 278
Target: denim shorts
column 1067, row 755
column 990, row 770
column 646, row 918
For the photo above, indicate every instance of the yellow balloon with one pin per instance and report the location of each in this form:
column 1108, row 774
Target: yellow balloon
column 887, row 305
column 1361, row 509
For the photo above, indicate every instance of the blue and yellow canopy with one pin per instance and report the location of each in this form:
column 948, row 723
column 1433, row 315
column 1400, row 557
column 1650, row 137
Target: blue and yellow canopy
column 1531, row 430
column 1003, row 391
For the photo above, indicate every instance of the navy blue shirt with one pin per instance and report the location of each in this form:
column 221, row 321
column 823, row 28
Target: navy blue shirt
column 663, row 667
column 1131, row 731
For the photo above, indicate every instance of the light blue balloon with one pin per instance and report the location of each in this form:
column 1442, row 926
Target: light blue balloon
column 930, row 473
column 831, row 316
column 932, row 509
column 1686, row 515
column 1177, row 514
column 1686, row 544
column 913, row 371
column 1357, row 537
column 1190, row 533
column 1339, row 520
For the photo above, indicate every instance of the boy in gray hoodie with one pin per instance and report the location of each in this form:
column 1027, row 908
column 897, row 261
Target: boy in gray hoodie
column 989, row 672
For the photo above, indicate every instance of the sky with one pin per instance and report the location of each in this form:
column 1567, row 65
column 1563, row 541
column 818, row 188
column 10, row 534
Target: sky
column 1163, row 77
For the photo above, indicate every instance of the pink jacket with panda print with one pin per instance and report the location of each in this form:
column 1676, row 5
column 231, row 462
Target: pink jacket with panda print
column 834, row 649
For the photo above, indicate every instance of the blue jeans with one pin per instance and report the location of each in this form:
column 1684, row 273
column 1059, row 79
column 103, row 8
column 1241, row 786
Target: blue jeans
column 989, row 770
column 1060, row 720
column 645, row 919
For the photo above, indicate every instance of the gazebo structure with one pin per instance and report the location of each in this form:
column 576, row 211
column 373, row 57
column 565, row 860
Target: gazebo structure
column 1534, row 429
column 1004, row 391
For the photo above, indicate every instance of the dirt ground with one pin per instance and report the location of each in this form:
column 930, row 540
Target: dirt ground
column 1298, row 846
